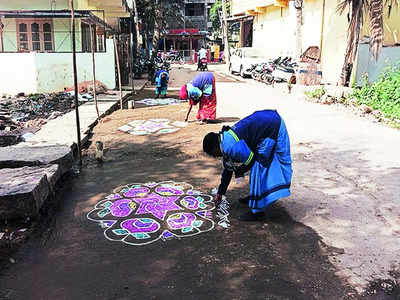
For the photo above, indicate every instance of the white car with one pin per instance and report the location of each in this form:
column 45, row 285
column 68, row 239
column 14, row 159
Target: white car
column 243, row 59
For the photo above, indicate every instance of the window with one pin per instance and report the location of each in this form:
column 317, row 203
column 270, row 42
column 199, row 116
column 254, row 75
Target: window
column 100, row 43
column 100, row 35
column 194, row 9
column 35, row 35
column 98, row 38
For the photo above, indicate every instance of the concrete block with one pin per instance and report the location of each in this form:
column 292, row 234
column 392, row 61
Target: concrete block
column 21, row 156
column 24, row 190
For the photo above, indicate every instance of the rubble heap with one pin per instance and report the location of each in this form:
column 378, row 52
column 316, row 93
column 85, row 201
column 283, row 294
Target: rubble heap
column 27, row 114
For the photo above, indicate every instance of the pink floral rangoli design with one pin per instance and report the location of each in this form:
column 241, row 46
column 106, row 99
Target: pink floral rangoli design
column 140, row 214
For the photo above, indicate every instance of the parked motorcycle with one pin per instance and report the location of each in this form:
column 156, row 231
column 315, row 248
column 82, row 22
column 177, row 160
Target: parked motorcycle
column 262, row 72
column 285, row 70
column 175, row 57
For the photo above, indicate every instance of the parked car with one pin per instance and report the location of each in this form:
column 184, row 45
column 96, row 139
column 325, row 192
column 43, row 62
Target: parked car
column 243, row 59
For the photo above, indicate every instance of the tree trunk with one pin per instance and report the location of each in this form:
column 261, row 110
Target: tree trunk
column 376, row 27
column 157, row 29
column 225, row 29
column 137, row 25
column 156, row 39
column 352, row 41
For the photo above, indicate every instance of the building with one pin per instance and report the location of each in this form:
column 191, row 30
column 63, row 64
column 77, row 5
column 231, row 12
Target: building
column 189, row 33
column 197, row 14
column 272, row 25
column 36, row 43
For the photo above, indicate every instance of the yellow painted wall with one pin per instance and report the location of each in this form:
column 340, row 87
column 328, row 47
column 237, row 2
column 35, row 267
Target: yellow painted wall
column 31, row 4
column 391, row 25
column 334, row 43
column 273, row 32
column 113, row 9
column 335, row 38
column 240, row 6
column 312, row 23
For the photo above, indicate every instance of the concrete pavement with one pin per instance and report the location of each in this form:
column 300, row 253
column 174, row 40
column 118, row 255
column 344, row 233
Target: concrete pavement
column 346, row 172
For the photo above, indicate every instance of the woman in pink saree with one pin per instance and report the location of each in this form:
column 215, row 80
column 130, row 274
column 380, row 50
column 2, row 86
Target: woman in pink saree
column 201, row 90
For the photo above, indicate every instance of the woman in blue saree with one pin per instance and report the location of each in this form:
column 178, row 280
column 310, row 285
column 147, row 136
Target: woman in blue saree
column 162, row 78
column 260, row 144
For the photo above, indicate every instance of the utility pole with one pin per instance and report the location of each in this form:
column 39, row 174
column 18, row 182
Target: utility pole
column 133, row 47
column 119, row 72
column 225, row 30
column 93, row 46
column 1, row 35
column 78, row 126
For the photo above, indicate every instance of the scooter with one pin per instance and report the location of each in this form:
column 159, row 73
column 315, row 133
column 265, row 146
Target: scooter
column 203, row 65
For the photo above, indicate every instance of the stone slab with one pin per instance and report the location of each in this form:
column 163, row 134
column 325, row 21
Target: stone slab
column 23, row 155
column 24, row 190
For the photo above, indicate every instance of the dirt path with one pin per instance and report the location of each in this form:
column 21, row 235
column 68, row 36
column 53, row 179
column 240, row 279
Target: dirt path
column 275, row 259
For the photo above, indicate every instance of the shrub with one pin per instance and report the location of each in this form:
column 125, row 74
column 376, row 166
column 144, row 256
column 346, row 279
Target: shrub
column 384, row 94
column 317, row 93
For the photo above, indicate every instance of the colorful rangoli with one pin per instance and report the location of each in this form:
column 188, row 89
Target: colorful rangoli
column 140, row 214
column 152, row 126
column 164, row 101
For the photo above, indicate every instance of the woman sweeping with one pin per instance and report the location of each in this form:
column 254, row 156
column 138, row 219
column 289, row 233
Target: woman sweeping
column 201, row 90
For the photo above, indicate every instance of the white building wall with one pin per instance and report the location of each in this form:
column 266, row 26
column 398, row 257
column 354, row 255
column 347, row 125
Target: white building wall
column 52, row 72
column 17, row 73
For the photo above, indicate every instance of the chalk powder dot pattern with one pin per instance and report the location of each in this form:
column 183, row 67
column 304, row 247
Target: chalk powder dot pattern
column 140, row 214
column 152, row 126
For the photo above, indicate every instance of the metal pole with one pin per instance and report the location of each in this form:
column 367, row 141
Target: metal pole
column 92, row 45
column 78, row 126
column 1, row 35
column 119, row 71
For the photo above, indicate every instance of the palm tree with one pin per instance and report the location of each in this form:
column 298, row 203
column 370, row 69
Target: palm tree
column 374, row 8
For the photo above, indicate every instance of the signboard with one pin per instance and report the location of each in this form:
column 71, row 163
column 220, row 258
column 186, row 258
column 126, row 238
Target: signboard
column 183, row 31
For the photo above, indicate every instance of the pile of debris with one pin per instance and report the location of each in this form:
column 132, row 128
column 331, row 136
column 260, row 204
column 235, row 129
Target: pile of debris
column 21, row 116
column 25, row 115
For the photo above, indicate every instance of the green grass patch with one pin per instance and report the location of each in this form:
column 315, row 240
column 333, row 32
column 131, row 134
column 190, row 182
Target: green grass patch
column 384, row 94
column 316, row 93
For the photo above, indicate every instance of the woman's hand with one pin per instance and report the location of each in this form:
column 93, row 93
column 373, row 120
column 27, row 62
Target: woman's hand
column 217, row 199
column 187, row 114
